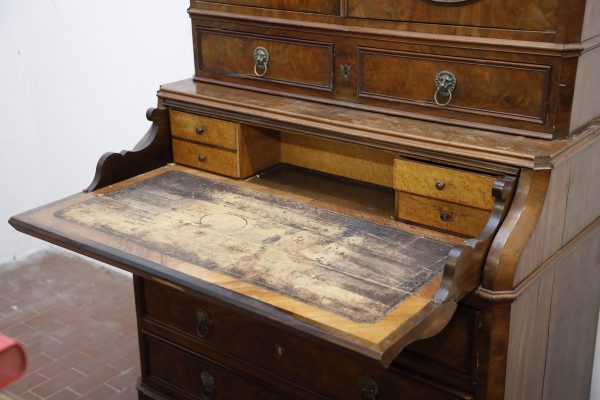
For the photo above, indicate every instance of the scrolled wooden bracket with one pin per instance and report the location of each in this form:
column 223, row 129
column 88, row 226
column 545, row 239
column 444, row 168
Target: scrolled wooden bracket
column 153, row 151
column 463, row 270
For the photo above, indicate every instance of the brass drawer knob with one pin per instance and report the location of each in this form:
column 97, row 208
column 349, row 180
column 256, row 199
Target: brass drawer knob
column 445, row 83
column 444, row 216
column 261, row 61
column 200, row 130
column 207, row 381
column 203, row 323
column 201, row 158
column 279, row 351
column 369, row 390
column 439, row 185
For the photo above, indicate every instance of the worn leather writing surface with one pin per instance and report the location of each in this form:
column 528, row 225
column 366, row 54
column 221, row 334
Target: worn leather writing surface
column 345, row 265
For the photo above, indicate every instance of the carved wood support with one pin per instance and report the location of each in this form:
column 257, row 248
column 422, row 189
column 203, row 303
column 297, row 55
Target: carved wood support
column 509, row 243
column 153, row 151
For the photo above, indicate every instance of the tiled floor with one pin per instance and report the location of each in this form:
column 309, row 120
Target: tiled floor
column 77, row 323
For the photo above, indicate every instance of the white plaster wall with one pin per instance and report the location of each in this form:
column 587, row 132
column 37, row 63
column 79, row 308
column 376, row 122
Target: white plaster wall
column 76, row 77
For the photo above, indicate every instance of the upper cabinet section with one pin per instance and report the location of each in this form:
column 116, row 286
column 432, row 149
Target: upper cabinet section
column 329, row 7
column 525, row 68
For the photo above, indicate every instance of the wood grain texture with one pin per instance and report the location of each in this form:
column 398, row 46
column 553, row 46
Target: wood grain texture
column 533, row 15
column 586, row 101
column 311, row 6
column 522, row 94
column 468, row 188
column 528, row 341
column 572, row 335
column 220, row 161
column 258, row 149
column 152, row 151
column 386, row 28
column 526, row 93
column 170, row 313
column 361, row 163
column 570, row 205
column 427, row 211
column 230, row 54
column 513, row 235
column 205, row 130
column 543, row 320
column 361, row 127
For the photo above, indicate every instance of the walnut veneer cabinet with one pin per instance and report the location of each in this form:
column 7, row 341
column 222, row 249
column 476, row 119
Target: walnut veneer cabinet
column 367, row 200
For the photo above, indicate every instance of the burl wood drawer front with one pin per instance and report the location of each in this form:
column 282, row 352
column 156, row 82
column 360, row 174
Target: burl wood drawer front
column 331, row 7
column 205, row 130
column 220, row 161
column 508, row 90
column 265, row 346
column 441, row 214
column 511, row 14
column 448, row 184
column 180, row 374
column 286, row 61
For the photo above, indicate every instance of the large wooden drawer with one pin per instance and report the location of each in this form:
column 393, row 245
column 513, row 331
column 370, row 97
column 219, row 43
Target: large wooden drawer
column 290, row 356
column 331, row 7
column 291, row 62
column 509, row 14
column 512, row 90
column 180, row 374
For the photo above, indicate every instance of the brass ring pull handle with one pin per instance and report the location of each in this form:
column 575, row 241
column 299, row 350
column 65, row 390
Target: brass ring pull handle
column 207, row 391
column 368, row 388
column 261, row 61
column 445, row 83
column 203, row 323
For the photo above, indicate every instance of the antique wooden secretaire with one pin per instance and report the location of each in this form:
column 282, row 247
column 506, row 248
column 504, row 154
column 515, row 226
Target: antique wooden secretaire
column 359, row 199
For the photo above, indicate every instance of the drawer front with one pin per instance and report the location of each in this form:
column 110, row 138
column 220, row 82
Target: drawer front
column 266, row 346
column 179, row 374
column 207, row 158
column 508, row 90
column 204, row 129
column 286, row 61
column 509, row 14
column 447, row 184
column 331, row 7
column 441, row 214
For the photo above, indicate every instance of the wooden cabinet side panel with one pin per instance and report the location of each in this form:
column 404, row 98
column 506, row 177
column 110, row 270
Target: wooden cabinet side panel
column 553, row 326
column 586, row 101
column 570, row 206
column 530, row 314
column 573, row 323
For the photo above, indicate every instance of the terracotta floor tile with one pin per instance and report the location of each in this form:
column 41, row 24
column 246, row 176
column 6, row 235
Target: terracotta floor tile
column 65, row 394
column 103, row 392
column 77, row 323
column 26, row 383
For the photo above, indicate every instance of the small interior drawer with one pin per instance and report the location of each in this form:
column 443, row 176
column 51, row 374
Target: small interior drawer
column 224, row 162
column 443, row 183
column 205, row 130
column 440, row 214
